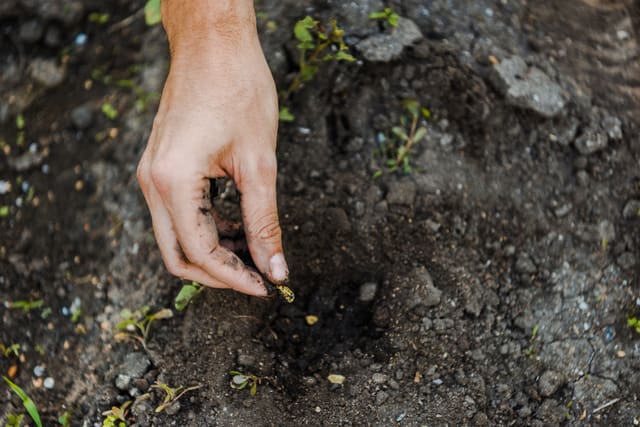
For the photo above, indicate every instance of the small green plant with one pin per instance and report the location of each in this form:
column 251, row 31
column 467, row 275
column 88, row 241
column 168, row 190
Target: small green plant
column 152, row 15
column 317, row 43
column 188, row 293
column 4, row 211
column 65, row 419
column 28, row 404
column 387, row 15
column 396, row 148
column 634, row 323
column 99, row 18
column 137, row 324
column 20, row 125
column 109, row 111
column 171, row 395
column 14, row 420
column 25, row 305
column 116, row 416
column 7, row 351
column 240, row 381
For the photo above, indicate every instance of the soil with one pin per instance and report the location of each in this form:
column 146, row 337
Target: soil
column 490, row 286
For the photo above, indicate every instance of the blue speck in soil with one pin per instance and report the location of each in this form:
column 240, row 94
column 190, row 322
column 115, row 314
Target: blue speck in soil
column 81, row 39
column 609, row 334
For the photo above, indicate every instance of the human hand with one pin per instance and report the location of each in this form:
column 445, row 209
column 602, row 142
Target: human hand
column 218, row 117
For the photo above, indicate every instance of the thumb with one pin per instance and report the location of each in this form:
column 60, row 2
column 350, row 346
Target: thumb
column 260, row 217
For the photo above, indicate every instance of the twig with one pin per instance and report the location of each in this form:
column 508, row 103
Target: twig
column 126, row 21
column 606, row 405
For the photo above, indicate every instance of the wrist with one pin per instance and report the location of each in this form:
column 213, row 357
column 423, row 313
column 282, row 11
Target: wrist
column 193, row 27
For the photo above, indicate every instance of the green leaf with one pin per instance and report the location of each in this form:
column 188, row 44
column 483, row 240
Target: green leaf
column 254, row 388
column 393, row 19
column 377, row 174
column 26, row 401
column 187, row 294
column 400, row 133
column 64, row 419
column 302, row 27
column 20, row 122
column 420, row 133
column 285, row 115
column 425, row 113
column 109, row 111
column 4, row 211
column 377, row 15
column 412, row 106
column 14, row 420
column 152, row 15
column 307, row 72
column 344, row 56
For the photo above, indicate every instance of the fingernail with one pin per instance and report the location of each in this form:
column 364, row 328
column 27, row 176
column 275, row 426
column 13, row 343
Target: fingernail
column 278, row 267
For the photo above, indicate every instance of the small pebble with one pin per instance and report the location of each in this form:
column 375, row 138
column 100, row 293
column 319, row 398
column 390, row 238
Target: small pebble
column 38, row 370
column 437, row 381
column 49, row 383
column 81, row 39
column 5, row 187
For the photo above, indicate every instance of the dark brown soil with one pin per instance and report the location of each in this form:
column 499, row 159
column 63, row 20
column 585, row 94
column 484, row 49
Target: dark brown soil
column 504, row 266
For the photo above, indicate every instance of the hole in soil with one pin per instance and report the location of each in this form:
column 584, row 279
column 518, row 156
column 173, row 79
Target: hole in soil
column 344, row 325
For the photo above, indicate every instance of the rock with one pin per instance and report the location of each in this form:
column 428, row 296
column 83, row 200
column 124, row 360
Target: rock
column 338, row 218
column 591, row 141
column 142, row 411
column 525, row 265
column 631, row 209
column 30, row 31
column 49, row 383
column 81, row 117
column 421, row 289
column 123, row 382
column 353, row 16
column 626, row 260
column 401, row 192
column 135, row 365
column 551, row 412
column 612, row 126
column 47, row 72
column 549, row 383
column 173, row 409
column 526, row 87
column 606, row 231
column 379, row 378
column 53, row 36
column 246, row 360
column 381, row 397
column 389, row 46
column 367, row 291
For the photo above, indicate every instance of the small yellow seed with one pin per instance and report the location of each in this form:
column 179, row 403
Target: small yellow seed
column 286, row 293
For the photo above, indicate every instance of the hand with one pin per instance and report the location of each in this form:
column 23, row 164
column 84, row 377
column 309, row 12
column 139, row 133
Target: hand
column 218, row 117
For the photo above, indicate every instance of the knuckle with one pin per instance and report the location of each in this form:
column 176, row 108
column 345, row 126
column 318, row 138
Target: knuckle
column 161, row 174
column 142, row 175
column 267, row 228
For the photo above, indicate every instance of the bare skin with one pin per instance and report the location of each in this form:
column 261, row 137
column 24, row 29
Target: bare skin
column 218, row 117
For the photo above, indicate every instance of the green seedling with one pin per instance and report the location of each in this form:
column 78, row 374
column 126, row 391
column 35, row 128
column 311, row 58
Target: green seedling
column 65, row 419
column 14, row 420
column 172, row 395
column 25, row 305
column 317, row 43
column 116, row 416
column 109, row 111
column 20, row 125
column 387, row 15
column 240, row 381
column 188, row 293
column 152, row 15
column 634, row 323
column 4, row 211
column 28, row 404
column 285, row 115
column 137, row 324
column 7, row 351
column 99, row 18
column 396, row 149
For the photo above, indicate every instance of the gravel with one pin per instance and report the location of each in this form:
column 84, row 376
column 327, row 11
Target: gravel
column 47, row 72
column 591, row 141
column 549, row 382
column 81, row 117
column 135, row 365
column 631, row 209
column 401, row 192
column 367, row 292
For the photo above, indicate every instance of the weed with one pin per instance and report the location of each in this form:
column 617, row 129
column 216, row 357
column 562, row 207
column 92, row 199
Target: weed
column 137, row 324
column 8, row 350
column 387, row 15
column 65, row 419
column 25, row 305
column 317, row 43
column 116, row 416
column 109, row 111
column 99, row 18
column 14, row 420
column 152, row 15
column 240, row 381
column 171, row 394
column 634, row 323
column 28, row 404
column 187, row 294
column 396, row 148
column 285, row 115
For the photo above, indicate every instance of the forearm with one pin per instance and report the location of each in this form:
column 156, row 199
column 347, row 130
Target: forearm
column 193, row 26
